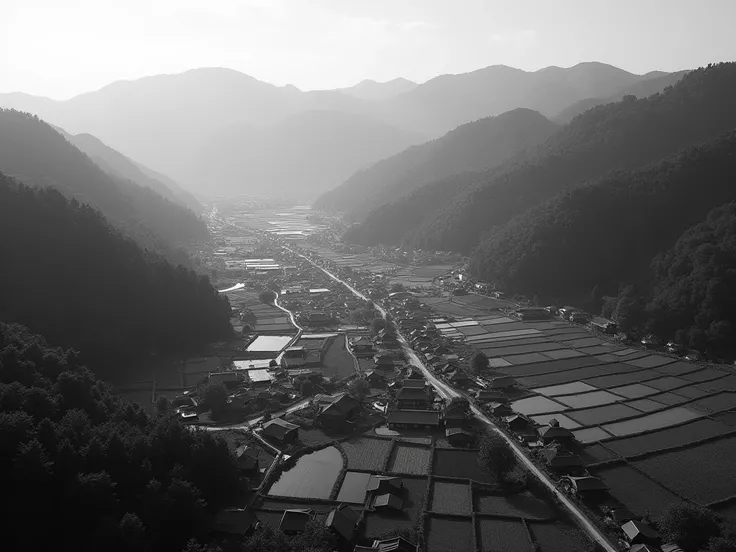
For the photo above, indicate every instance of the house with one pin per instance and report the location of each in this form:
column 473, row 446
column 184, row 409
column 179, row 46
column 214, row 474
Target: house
column 234, row 521
column 294, row 357
column 387, row 501
column 533, row 313
column 553, row 432
column 398, row 419
column 638, row 532
column 415, row 383
column 382, row 484
column 295, row 521
column 412, row 398
column 448, row 367
column 459, row 437
column 388, row 342
column 336, row 410
column 396, row 544
column 603, row 325
column 415, row 374
column 384, row 360
column 585, row 487
column 559, row 459
column 246, row 458
column 455, row 414
column 228, row 379
column 363, row 347
column 375, row 378
column 500, row 410
column 502, row 382
column 319, row 319
column 621, row 515
column 518, row 422
column 459, row 378
column 281, row 431
column 342, row 520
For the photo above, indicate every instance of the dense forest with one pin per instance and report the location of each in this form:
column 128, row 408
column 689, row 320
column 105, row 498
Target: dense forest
column 627, row 134
column 475, row 146
column 37, row 154
column 71, row 277
column 83, row 470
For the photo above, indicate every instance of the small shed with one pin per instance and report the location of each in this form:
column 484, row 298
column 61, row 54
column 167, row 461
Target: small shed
column 342, row 520
column 554, row 433
column 295, row 521
column 387, row 501
column 638, row 532
column 246, row 458
column 281, row 430
column 459, row 437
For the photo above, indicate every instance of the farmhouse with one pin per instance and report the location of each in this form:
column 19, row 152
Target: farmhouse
column 459, row 437
column 387, row 502
column 228, row 379
column 342, row 520
column 455, row 414
column 553, row 432
column 460, row 378
column 411, row 398
column 603, row 325
column 363, row 347
column 335, row 410
column 281, row 431
column 415, row 384
column 560, row 460
column 294, row 357
column 428, row 419
column 638, row 532
column 502, row 382
column 375, row 378
column 533, row 313
column 295, row 521
column 382, row 484
column 518, row 422
column 384, row 360
column 500, row 410
column 585, row 487
column 319, row 319
column 246, row 458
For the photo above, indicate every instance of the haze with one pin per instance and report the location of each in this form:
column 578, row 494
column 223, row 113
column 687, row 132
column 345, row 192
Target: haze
column 60, row 49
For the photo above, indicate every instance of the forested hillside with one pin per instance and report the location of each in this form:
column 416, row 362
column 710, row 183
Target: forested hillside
column 626, row 134
column 116, row 164
column 83, row 470
column 474, row 146
column 694, row 287
column 606, row 233
column 33, row 151
column 71, row 277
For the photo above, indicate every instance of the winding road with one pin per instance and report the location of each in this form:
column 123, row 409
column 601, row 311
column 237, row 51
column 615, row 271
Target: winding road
column 448, row 392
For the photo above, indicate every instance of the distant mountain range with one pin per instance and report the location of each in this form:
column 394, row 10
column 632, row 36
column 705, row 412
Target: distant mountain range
column 171, row 123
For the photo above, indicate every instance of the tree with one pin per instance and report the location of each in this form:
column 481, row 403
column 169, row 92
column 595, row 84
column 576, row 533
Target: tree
column 689, row 525
column 316, row 536
column 214, row 396
column 162, row 405
column 479, row 362
column 681, row 337
column 397, row 287
column 359, row 388
column 495, row 456
column 629, row 312
column 377, row 324
column 698, row 339
column 267, row 296
column 724, row 543
column 306, row 387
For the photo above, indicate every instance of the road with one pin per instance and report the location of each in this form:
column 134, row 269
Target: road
column 255, row 421
column 448, row 392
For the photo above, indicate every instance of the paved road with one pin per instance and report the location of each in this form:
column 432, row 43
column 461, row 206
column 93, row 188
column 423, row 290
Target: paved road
column 448, row 392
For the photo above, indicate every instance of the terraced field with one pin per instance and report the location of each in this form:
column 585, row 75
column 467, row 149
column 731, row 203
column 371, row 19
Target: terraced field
column 365, row 453
column 410, row 459
column 450, row 498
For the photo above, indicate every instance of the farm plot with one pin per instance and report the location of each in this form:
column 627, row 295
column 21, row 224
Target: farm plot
column 602, row 414
column 652, row 361
column 700, row 376
column 553, row 366
column 410, row 459
column 634, row 391
column 614, row 380
column 677, row 368
column 717, row 403
column 593, row 454
column 449, row 535
column 459, row 463
column 536, row 405
column 559, row 537
column 667, row 438
column 639, row 493
column 523, row 349
column 522, row 505
column 584, row 400
column 527, row 358
column 564, row 421
column 338, row 361
column 559, row 354
column 656, row 420
column 365, row 453
column 450, row 498
column 501, row 535
column 354, row 487
column 412, row 495
column 590, row 435
column 670, row 399
column 646, row 405
column 693, row 392
column 565, row 389
column 704, row 473
column 667, row 383
column 568, row 376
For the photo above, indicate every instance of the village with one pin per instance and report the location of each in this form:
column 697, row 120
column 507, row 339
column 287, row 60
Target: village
column 359, row 394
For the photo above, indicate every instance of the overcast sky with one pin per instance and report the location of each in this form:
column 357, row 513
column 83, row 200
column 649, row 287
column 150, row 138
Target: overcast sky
column 59, row 48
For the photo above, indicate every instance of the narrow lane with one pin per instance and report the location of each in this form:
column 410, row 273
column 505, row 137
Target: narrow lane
column 447, row 392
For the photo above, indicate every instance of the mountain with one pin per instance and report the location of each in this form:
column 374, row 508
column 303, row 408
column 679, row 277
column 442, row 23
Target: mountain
column 35, row 153
column 372, row 90
column 473, row 146
column 607, row 232
column 623, row 135
column 70, row 276
column 657, row 82
column 166, row 121
column 305, row 154
column 116, row 164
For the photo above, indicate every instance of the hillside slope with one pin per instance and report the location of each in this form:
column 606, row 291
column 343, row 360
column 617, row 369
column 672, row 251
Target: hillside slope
column 68, row 274
column 34, row 152
column 626, row 134
column 116, row 164
column 303, row 155
column 474, row 146
column 607, row 232
column 371, row 90
column 641, row 89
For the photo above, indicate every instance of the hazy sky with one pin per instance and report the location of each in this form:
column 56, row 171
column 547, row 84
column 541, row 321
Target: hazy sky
column 59, row 48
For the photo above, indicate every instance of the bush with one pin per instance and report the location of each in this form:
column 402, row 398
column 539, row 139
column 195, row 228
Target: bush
column 689, row 526
column 495, row 456
column 267, row 296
